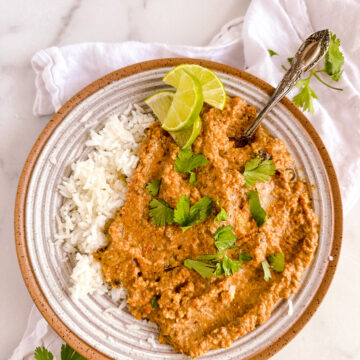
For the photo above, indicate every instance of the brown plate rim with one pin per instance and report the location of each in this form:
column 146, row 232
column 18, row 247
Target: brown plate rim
column 27, row 271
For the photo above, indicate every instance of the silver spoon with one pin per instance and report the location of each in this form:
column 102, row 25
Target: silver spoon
column 307, row 56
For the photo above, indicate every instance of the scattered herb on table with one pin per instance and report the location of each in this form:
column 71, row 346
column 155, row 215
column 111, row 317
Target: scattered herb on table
column 257, row 212
column 272, row 52
column 333, row 63
column 258, row 170
column 222, row 215
column 187, row 216
column 187, row 161
column 153, row 187
column 67, row 353
column 161, row 213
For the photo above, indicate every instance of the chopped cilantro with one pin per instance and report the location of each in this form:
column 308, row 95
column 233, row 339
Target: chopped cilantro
column 225, row 238
column 334, row 58
column 258, row 213
column 186, row 161
column 182, row 210
column 161, row 213
column 154, row 302
column 290, row 60
column 187, row 216
column 272, row 52
column 266, row 267
column 43, row 354
column 222, row 215
column 211, row 257
column 204, row 269
column 243, row 257
column 229, row 266
column 277, row 261
column 257, row 170
column 153, row 187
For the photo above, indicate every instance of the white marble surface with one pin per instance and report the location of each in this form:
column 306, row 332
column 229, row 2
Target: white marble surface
column 27, row 26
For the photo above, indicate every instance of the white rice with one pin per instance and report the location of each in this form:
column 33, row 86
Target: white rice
column 94, row 191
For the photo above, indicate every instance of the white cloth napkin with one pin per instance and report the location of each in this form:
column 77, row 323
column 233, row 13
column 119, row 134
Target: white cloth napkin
column 278, row 25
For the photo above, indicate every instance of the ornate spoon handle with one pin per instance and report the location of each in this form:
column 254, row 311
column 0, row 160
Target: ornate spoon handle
column 307, row 56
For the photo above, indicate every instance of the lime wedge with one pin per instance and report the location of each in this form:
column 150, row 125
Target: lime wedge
column 186, row 104
column 213, row 89
column 160, row 105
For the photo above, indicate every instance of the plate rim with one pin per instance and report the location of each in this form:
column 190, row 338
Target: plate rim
column 26, row 268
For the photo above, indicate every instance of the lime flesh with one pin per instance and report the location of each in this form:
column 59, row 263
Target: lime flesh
column 160, row 104
column 186, row 104
column 213, row 89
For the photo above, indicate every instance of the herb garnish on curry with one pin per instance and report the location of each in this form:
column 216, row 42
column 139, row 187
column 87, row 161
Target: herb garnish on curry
column 210, row 238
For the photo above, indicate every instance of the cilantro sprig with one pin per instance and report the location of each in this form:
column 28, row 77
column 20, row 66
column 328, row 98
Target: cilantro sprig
column 187, row 216
column 67, row 353
column 211, row 265
column 258, row 170
column 187, row 161
column 333, row 63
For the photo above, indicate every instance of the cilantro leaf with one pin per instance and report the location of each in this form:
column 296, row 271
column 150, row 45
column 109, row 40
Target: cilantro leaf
column 204, row 269
column 304, row 99
column 290, row 60
column 230, row 266
column 266, row 267
column 192, row 179
column 277, row 261
column 222, row 215
column 161, row 213
column 188, row 217
column 154, row 302
column 182, row 210
column 219, row 270
column 257, row 170
column 225, row 238
column 243, row 257
column 200, row 211
column 257, row 212
column 153, row 187
column 68, row 353
column 211, row 257
column 43, row 354
column 186, row 161
column 334, row 58
column 272, row 52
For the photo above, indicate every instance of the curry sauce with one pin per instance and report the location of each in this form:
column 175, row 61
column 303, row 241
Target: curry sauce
column 195, row 314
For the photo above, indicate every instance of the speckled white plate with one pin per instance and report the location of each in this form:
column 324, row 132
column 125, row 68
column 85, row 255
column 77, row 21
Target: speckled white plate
column 83, row 324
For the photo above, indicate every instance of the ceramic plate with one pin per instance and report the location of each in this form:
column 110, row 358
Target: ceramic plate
column 83, row 324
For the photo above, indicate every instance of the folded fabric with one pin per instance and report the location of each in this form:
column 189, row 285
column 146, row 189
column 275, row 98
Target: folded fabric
column 280, row 26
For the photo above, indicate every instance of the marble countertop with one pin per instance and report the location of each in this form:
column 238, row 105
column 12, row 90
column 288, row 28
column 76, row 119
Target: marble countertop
column 25, row 27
